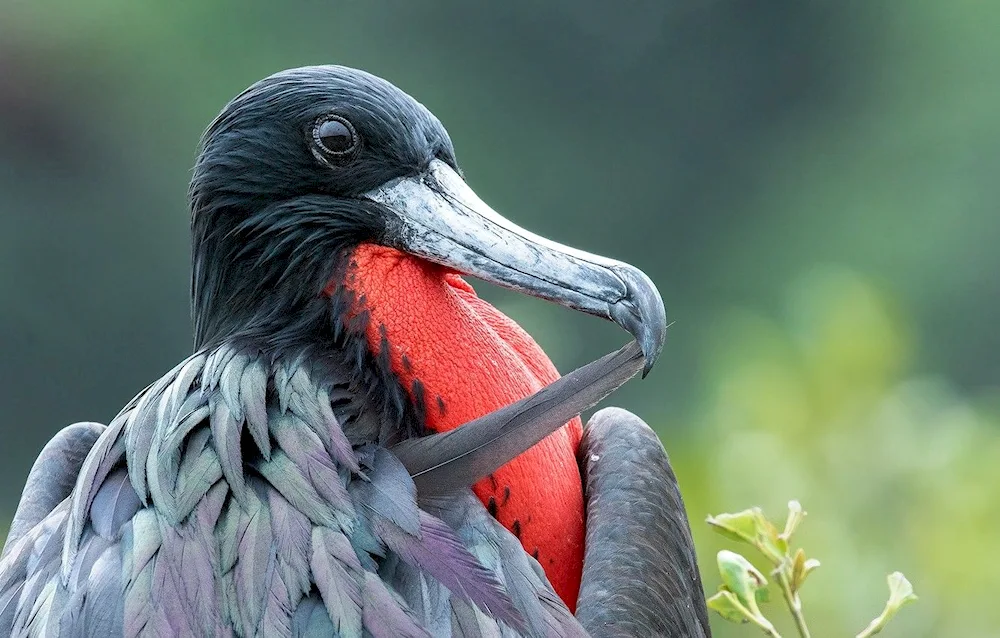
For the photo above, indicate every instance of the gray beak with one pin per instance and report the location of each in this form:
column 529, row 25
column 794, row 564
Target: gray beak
column 437, row 216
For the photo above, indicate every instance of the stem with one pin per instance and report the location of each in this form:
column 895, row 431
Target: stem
column 876, row 625
column 768, row 629
column 871, row 630
column 794, row 603
column 764, row 624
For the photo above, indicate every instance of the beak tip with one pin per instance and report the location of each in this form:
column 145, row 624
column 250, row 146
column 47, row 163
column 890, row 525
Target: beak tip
column 651, row 344
column 642, row 314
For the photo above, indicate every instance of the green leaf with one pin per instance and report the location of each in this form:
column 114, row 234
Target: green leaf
column 750, row 526
column 763, row 595
column 741, row 578
column 726, row 604
column 737, row 527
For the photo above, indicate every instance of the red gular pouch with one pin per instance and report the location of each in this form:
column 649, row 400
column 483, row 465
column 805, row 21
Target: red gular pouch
column 470, row 360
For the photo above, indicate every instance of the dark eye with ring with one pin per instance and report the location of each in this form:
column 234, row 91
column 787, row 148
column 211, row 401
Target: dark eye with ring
column 335, row 136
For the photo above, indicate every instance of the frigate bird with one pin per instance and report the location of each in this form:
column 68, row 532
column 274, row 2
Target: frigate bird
column 359, row 445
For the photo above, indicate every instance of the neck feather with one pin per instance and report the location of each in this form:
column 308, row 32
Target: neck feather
column 262, row 274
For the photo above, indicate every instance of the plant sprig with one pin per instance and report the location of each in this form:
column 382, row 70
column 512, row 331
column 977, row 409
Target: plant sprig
column 744, row 586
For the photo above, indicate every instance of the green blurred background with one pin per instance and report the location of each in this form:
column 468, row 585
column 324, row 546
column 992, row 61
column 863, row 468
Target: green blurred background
column 812, row 185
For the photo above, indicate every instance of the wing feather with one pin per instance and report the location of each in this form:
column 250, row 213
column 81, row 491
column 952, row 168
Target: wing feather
column 248, row 558
column 253, row 394
column 336, row 572
column 311, row 620
column 107, row 452
column 385, row 615
column 140, row 545
column 52, row 477
column 177, row 526
column 454, row 460
column 226, row 434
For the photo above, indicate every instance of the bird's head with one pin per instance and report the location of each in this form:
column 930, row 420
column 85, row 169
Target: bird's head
column 309, row 163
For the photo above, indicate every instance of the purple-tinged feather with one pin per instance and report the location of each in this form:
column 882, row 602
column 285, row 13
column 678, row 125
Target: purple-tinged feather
column 209, row 509
column 277, row 618
column 162, row 469
column 385, row 615
column 141, row 425
column 52, row 477
column 140, row 544
column 468, row 622
column 523, row 578
column 311, row 620
column 247, row 549
column 428, row 599
column 303, row 447
column 336, row 572
column 293, row 544
column 46, row 548
column 9, row 600
column 389, row 492
column 193, row 413
column 199, row 471
column 187, row 556
column 90, row 550
column 302, row 394
column 226, row 432
column 439, row 552
column 287, row 478
column 171, row 615
column 103, row 606
column 35, row 601
column 140, row 540
column 333, row 435
column 14, row 564
column 107, row 452
column 114, row 505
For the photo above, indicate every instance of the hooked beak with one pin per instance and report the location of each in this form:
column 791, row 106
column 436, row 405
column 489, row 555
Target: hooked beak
column 437, row 216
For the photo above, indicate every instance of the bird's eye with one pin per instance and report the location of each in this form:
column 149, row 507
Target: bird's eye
column 335, row 136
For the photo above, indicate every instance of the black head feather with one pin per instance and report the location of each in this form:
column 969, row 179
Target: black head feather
column 272, row 215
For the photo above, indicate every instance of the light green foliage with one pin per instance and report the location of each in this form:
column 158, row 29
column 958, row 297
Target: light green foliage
column 736, row 600
column 900, row 593
column 743, row 586
column 741, row 578
column 904, row 471
column 751, row 526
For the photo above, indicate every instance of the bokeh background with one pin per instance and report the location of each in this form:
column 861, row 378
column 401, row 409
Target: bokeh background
column 812, row 185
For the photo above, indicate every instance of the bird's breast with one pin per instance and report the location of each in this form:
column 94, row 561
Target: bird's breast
column 462, row 358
